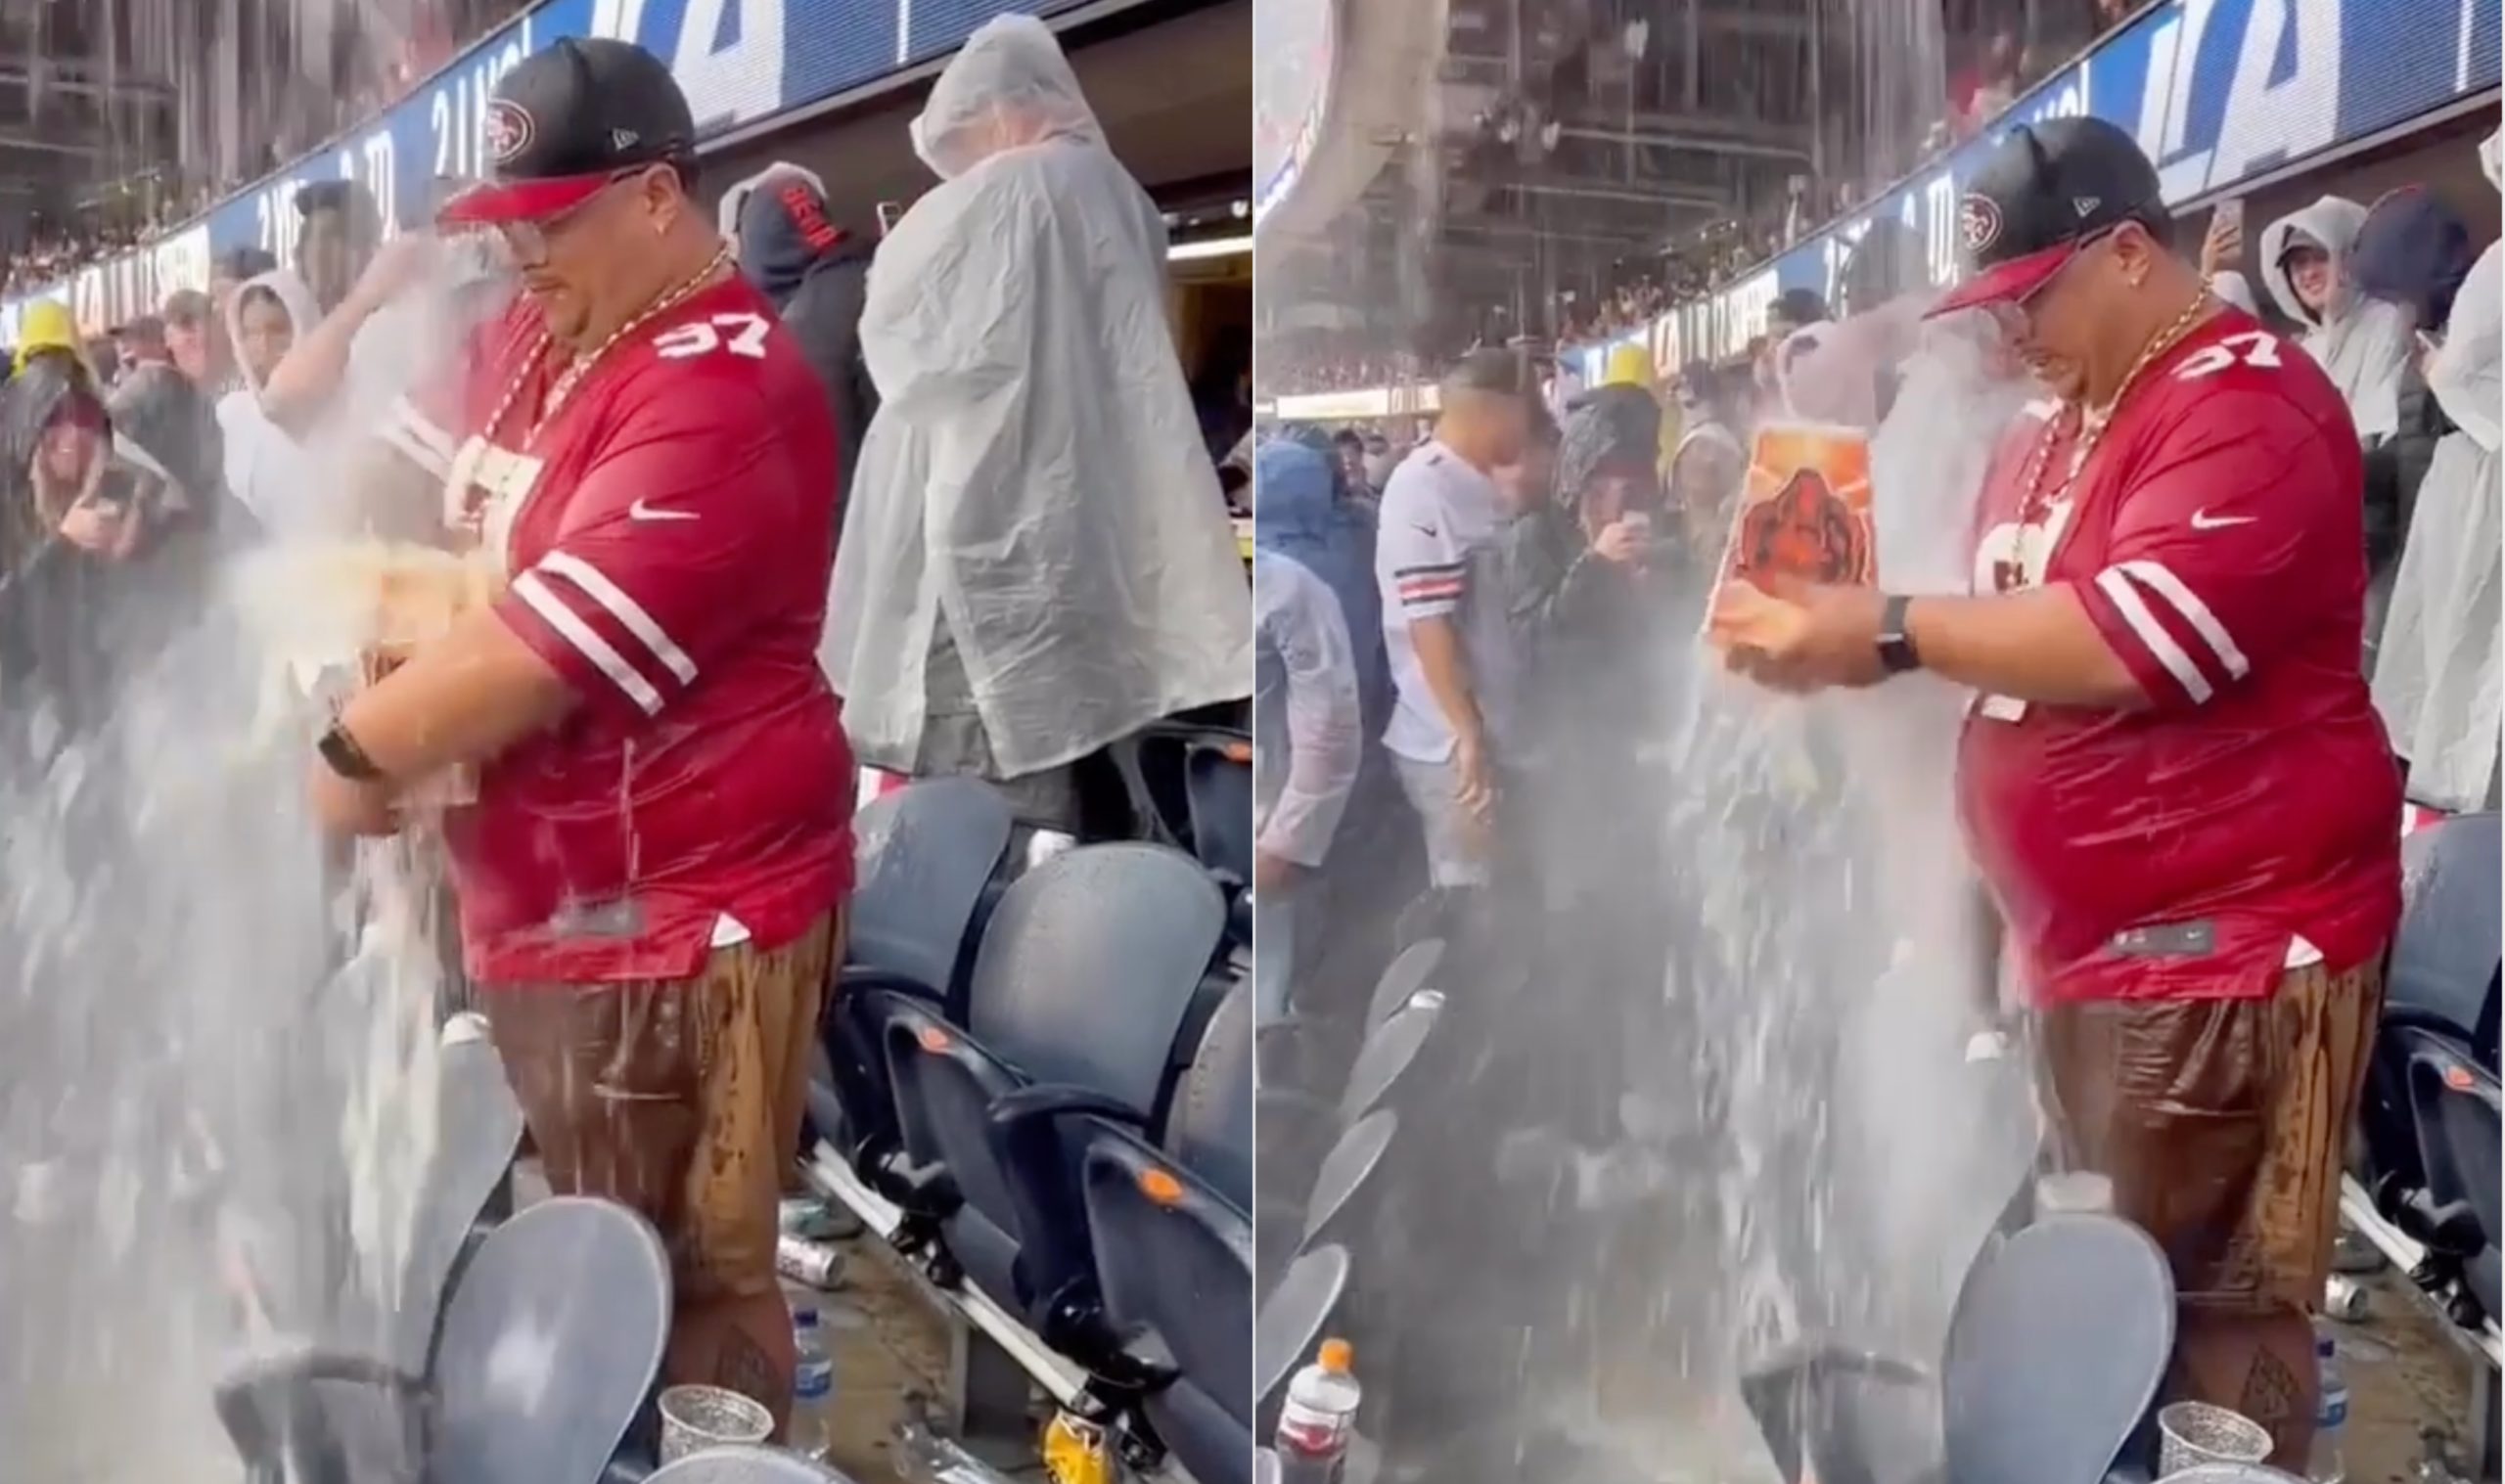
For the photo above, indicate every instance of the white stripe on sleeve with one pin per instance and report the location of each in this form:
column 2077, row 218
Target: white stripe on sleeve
column 2126, row 602
column 2165, row 584
column 638, row 621
column 531, row 590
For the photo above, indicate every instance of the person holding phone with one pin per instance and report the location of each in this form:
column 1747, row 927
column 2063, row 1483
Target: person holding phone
column 95, row 570
column 1583, row 586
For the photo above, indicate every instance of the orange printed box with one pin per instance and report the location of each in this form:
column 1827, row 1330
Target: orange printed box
column 1804, row 511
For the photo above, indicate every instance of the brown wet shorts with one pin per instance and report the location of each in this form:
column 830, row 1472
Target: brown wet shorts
column 2223, row 1124
column 681, row 1099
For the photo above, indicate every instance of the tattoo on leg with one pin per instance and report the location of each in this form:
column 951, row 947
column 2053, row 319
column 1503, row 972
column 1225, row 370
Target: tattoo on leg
column 741, row 1366
column 2270, row 1390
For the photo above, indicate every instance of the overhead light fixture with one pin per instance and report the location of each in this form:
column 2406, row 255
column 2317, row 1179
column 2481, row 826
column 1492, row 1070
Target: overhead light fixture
column 1217, row 247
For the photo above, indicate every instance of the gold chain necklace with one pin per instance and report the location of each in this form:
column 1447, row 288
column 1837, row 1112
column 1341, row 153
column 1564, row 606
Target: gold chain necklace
column 2036, row 504
column 572, row 376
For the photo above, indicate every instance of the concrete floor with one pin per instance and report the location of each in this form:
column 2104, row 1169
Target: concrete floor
column 890, row 1354
column 2406, row 1375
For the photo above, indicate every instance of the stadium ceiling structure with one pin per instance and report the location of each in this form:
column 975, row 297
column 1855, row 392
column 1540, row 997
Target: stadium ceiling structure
column 89, row 101
column 1575, row 140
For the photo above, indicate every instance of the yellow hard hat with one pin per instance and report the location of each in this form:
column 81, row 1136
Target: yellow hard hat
column 1629, row 366
column 47, row 325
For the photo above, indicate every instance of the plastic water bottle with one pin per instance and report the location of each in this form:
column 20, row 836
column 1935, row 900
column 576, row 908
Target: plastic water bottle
column 1319, row 1417
column 812, row 1386
column 2330, row 1417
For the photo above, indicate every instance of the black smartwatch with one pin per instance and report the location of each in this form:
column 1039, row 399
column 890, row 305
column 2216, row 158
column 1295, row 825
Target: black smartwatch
column 1895, row 646
column 345, row 758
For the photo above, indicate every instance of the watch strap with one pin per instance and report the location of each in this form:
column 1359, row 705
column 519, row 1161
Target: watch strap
column 1896, row 645
column 339, row 750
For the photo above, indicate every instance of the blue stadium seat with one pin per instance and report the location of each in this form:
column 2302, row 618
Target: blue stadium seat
column 550, row 1346
column 1174, row 1258
column 1082, row 985
column 2078, row 1308
column 926, row 853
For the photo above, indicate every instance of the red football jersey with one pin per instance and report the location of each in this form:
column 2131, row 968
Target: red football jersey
column 668, row 538
column 2195, row 847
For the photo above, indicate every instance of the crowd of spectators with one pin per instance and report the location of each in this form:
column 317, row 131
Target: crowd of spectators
column 1303, row 364
column 379, row 54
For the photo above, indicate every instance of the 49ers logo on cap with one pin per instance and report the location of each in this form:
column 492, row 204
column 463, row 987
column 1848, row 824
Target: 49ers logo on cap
column 1978, row 222
column 508, row 131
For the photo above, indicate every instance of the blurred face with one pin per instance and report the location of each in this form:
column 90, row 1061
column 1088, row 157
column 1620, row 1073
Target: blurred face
column 268, row 334
column 70, row 445
column 2309, row 271
column 326, row 256
column 1613, row 494
column 583, row 264
column 187, row 341
column 1508, row 429
column 1523, row 480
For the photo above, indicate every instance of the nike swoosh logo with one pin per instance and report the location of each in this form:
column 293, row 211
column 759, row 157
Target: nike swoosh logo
column 1423, row 530
column 641, row 511
column 2203, row 520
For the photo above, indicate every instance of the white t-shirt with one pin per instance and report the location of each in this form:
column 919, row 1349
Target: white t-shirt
column 1439, row 514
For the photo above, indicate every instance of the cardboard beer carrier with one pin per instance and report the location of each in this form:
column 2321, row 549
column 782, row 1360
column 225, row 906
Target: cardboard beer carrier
column 1804, row 510
column 417, row 593
column 1804, row 513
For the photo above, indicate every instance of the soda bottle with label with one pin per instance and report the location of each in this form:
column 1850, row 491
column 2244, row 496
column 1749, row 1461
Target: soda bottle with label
column 1319, row 1417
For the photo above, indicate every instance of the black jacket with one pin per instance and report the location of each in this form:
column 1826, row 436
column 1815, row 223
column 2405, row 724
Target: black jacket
column 817, row 277
column 73, row 624
column 1586, row 627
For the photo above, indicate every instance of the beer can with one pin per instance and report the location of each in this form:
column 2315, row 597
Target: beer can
column 813, row 1263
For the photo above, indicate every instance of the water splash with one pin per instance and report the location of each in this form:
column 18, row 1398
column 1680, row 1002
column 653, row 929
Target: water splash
column 221, row 1034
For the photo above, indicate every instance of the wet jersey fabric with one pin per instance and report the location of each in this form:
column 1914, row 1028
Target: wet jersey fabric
column 666, row 538
column 2246, row 816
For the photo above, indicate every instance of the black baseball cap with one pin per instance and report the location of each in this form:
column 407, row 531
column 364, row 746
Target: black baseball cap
column 2045, row 191
column 569, row 120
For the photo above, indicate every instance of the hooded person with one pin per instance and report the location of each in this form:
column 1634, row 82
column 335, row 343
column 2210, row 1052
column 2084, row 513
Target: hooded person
column 1595, row 622
column 1707, row 460
column 100, row 563
column 816, row 275
column 2362, row 342
column 266, row 468
column 164, row 422
column 1035, row 561
column 1577, row 568
column 2410, row 255
column 2439, row 679
column 1298, row 513
column 1843, row 372
column 1626, row 381
column 49, row 329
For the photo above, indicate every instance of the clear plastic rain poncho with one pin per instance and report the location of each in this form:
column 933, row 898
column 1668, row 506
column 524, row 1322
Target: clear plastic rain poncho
column 2439, row 681
column 1034, row 481
column 2362, row 342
